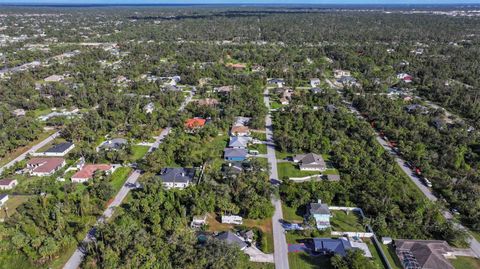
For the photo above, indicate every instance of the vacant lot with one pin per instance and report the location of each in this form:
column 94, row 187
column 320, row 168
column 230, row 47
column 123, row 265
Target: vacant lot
column 119, row 177
column 13, row 202
column 301, row 260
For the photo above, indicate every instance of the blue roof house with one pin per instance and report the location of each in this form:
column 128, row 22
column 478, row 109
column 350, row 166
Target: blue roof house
column 235, row 154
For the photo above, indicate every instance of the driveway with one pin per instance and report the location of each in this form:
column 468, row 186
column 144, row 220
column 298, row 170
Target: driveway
column 257, row 255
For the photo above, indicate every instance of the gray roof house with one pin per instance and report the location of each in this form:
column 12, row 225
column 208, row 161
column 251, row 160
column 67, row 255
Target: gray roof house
column 310, row 162
column 60, row 149
column 231, row 238
column 239, row 141
column 424, row 253
column 177, row 177
column 340, row 246
column 116, row 143
column 232, row 154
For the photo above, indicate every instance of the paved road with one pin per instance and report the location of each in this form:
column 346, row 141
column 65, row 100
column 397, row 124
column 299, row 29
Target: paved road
column 279, row 240
column 131, row 183
column 31, row 150
column 474, row 244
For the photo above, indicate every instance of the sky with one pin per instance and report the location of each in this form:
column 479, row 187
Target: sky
column 243, row 1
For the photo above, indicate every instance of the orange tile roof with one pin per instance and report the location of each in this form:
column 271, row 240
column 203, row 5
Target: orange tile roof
column 195, row 122
column 239, row 129
column 88, row 170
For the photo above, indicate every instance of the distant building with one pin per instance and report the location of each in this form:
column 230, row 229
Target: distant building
column 310, row 162
column 237, row 66
column 8, row 184
column 314, row 82
column 177, row 177
column 232, row 219
column 321, row 213
column 3, row 199
column 88, row 171
column 338, row 73
column 333, row 177
column 43, row 167
column 194, row 124
column 224, row 89
column 19, row 112
column 207, row 102
column 279, row 82
column 405, row 77
column 54, row 78
column 149, row 108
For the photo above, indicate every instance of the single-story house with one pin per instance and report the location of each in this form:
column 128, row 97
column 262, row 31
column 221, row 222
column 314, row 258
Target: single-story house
column 43, row 167
column 310, row 162
column 239, row 142
column 19, row 112
column 207, row 102
column 114, row 144
column 148, row 108
column 338, row 73
column 232, row 154
column 405, row 77
column 321, row 213
column 8, row 184
column 232, row 219
column 89, row 170
column 177, row 177
column 240, row 130
column 3, row 199
column 276, row 81
column 231, row 238
column 199, row 221
column 194, row 123
column 424, row 253
column 316, row 90
column 314, row 82
column 235, row 168
column 224, row 89
column 58, row 150
column 54, row 78
column 340, row 246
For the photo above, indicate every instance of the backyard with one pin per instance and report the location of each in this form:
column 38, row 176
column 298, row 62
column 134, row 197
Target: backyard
column 13, row 202
column 346, row 222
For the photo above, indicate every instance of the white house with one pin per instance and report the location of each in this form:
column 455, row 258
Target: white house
column 58, row 150
column 338, row 73
column 199, row 221
column 8, row 184
column 54, row 78
column 314, row 82
column 3, row 199
column 232, row 219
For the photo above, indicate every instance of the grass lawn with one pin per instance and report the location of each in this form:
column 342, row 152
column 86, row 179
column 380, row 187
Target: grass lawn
column 288, row 170
column 290, row 214
column 13, row 202
column 215, row 226
column 260, row 265
column 465, row 263
column 265, row 226
column 377, row 261
column 138, row 152
column 259, row 135
column 344, row 222
column 391, row 256
column 275, row 105
column 119, row 176
column 262, row 148
column 14, row 154
column 301, row 260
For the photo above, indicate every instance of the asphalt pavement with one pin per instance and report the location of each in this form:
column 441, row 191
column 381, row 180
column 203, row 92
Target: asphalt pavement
column 280, row 254
column 31, row 150
column 131, row 183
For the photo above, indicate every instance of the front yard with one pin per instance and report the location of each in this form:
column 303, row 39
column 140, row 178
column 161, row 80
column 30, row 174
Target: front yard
column 343, row 222
column 465, row 263
column 302, row 260
column 119, row 176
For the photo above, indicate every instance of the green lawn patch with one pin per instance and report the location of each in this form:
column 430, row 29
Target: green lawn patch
column 13, row 202
column 344, row 222
column 259, row 135
column 290, row 214
column 264, row 225
column 119, row 177
column 260, row 265
column 465, row 263
column 288, row 170
column 391, row 256
column 302, row 260
column 262, row 148
column 376, row 260
column 138, row 152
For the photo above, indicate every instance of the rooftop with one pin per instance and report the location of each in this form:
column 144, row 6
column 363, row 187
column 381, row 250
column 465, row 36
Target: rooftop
column 177, row 174
column 89, row 170
column 59, row 148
